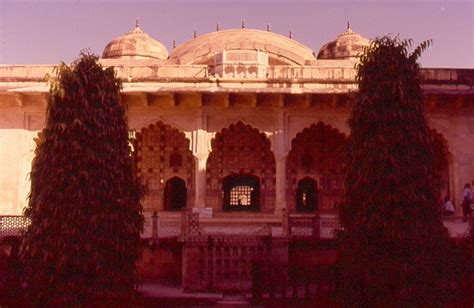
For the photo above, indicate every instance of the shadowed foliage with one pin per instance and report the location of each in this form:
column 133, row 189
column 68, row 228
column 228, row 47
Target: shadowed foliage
column 84, row 203
column 395, row 244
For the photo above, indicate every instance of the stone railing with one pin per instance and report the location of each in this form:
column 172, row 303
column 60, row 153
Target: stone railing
column 128, row 72
column 312, row 72
column 158, row 226
column 321, row 71
column 11, row 225
column 301, row 225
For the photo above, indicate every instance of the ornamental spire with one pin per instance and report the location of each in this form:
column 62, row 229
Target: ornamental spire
column 137, row 27
column 348, row 30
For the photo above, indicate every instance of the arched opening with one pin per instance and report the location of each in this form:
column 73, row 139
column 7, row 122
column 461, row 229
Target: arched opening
column 317, row 154
column 307, row 195
column 241, row 150
column 241, row 193
column 175, row 194
column 162, row 152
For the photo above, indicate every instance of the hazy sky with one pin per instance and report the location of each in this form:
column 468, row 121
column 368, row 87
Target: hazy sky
column 49, row 31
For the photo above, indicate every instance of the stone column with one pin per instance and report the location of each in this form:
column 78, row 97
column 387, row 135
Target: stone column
column 200, row 198
column 280, row 152
column 201, row 149
column 280, row 182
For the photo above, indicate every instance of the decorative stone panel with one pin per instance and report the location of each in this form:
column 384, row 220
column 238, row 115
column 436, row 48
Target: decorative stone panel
column 162, row 152
column 240, row 149
column 318, row 153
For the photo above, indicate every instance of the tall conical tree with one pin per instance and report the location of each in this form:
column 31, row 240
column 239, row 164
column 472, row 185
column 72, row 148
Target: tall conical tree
column 84, row 203
column 393, row 229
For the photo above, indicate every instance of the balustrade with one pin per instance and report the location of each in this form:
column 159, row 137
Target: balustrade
column 12, row 225
column 301, row 225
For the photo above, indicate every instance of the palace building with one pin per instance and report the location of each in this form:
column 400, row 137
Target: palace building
column 240, row 126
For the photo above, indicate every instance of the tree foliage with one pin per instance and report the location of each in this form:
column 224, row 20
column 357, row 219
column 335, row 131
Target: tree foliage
column 393, row 229
column 84, row 203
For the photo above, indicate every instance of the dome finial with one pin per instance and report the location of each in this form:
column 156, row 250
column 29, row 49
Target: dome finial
column 268, row 27
column 194, row 34
column 243, row 23
column 137, row 29
column 174, row 44
column 290, row 34
column 217, row 26
column 348, row 30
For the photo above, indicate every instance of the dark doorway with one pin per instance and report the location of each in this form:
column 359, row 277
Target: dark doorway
column 307, row 195
column 241, row 193
column 175, row 194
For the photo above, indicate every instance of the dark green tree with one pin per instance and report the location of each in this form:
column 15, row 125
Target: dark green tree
column 394, row 236
column 84, row 204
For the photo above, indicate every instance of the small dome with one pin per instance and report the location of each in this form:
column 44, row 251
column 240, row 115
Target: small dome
column 348, row 45
column 135, row 44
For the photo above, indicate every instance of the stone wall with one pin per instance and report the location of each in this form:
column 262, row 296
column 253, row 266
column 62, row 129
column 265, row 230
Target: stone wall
column 281, row 105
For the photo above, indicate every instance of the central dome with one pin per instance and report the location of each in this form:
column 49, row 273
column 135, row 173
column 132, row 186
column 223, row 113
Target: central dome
column 281, row 50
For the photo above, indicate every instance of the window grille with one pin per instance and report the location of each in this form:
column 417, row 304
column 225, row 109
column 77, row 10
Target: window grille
column 241, row 193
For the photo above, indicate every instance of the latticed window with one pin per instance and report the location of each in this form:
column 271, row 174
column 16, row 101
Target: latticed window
column 241, row 193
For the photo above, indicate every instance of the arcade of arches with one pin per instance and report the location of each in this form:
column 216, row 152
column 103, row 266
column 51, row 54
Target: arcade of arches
column 240, row 172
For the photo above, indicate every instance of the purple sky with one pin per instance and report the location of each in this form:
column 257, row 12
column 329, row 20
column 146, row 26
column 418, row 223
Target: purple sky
column 49, row 31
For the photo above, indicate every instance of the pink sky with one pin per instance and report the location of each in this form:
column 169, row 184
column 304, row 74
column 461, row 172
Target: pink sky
column 49, row 31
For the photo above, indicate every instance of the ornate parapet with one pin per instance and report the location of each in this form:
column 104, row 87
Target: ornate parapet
column 241, row 64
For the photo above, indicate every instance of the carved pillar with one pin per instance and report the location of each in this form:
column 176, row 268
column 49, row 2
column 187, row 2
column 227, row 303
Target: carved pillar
column 201, row 148
column 280, row 151
column 201, row 159
column 280, row 175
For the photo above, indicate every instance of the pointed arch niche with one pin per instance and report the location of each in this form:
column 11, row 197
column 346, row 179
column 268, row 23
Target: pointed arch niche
column 240, row 151
column 162, row 153
column 317, row 157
